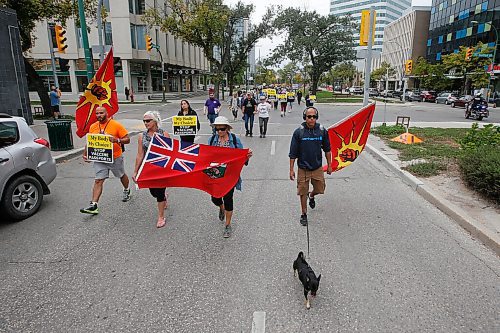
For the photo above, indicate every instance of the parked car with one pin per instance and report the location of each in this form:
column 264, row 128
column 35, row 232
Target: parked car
column 446, row 98
column 462, row 101
column 387, row 93
column 26, row 168
column 397, row 93
column 356, row 90
column 373, row 92
column 411, row 96
column 428, row 96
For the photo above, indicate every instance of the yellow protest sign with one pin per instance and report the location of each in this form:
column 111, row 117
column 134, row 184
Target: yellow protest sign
column 290, row 94
column 312, row 98
column 271, row 94
column 185, row 125
column 282, row 97
column 99, row 148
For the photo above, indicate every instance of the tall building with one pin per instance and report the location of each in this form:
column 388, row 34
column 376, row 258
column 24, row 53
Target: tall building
column 387, row 11
column 456, row 23
column 405, row 39
column 124, row 29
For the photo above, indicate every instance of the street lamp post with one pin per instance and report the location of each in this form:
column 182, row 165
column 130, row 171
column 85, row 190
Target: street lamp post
column 494, row 51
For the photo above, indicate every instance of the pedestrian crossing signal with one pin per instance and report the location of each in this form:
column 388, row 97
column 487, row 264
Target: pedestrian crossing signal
column 468, row 53
column 408, row 67
column 149, row 43
column 60, row 38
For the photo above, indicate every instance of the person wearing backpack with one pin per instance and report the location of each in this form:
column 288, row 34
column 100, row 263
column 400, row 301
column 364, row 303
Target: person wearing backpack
column 307, row 142
column 224, row 138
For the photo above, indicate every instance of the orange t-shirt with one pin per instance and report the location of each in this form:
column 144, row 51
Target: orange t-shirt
column 111, row 127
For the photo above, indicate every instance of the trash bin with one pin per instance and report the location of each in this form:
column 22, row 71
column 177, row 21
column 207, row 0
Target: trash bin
column 60, row 136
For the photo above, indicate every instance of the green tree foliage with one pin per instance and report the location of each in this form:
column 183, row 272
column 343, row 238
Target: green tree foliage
column 344, row 72
column 265, row 75
column 381, row 72
column 29, row 12
column 288, row 72
column 319, row 41
column 212, row 26
column 431, row 76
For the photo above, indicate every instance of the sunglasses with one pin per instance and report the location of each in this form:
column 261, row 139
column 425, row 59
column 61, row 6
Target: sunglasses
column 220, row 128
column 311, row 116
column 147, row 120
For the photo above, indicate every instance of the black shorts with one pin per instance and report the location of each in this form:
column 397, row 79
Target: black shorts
column 55, row 108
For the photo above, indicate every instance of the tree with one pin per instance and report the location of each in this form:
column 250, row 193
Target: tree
column 29, row 12
column 315, row 40
column 344, row 72
column 380, row 73
column 288, row 72
column 211, row 25
column 431, row 76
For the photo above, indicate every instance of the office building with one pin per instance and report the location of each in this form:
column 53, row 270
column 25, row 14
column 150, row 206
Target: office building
column 387, row 11
column 184, row 64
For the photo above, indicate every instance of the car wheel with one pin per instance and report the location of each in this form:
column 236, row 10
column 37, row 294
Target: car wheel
column 446, row 102
column 22, row 197
column 452, row 104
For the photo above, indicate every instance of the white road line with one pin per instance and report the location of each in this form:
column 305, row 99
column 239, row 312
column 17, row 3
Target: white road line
column 273, row 147
column 259, row 322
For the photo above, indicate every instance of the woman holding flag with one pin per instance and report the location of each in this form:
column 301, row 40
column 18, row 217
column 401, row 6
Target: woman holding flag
column 224, row 138
column 151, row 121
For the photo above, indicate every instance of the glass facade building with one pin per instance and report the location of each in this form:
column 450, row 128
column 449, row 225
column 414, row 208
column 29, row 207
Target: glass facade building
column 456, row 23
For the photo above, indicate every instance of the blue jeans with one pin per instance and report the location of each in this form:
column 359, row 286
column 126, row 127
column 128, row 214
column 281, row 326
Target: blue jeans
column 211, row 119
column 247, row 118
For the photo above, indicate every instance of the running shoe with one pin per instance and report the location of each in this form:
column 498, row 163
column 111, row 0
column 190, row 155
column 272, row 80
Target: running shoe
column 312, row 202
column 92, row 209
column 126, row 195
column 227, row 231
column 303, row 219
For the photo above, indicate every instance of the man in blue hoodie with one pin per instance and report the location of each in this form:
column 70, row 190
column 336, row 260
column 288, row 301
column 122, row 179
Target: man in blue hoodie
column 307, row 142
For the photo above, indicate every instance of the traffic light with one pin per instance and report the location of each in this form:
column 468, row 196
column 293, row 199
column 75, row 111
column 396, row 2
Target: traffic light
column 63, row 65
column 60, row 38
column 149, row 43
column 468, row 54
column 117, row 64
column 408, row 66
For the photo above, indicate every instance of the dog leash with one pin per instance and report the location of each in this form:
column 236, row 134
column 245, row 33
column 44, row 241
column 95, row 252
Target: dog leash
column 307, row 228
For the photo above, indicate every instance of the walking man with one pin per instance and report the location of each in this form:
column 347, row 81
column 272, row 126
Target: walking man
column 249, row 109
column 117, row 135
column 307, row 142
column 55, row 101
column 212, row 107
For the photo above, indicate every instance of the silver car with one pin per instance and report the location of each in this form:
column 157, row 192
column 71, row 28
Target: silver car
column 446, row 98
column 26, row 168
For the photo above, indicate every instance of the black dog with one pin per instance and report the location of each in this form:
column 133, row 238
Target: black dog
column 306, row 276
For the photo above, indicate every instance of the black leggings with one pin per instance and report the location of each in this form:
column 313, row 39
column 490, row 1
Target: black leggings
column 227, row 200
column 263, row 125
column 158, row 193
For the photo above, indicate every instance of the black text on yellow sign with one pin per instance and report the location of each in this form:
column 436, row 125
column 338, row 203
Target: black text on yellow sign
column 184, row 125
column 99, row 148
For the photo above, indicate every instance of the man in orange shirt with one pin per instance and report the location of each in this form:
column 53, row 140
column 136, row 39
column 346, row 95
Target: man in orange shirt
column 117, row 135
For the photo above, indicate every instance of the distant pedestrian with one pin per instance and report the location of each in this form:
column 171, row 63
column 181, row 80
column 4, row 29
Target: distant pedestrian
column 234, row 105
column 152, row 122
column 299, row 96
column 55, row 101
column 117, row 135
column 309, row 101
column 187, row 110
column 307, row 142
column 212, row 107
column 127, row 93
column 283, row 102
column 224, row 138
column 131, row 95
column 290, row 97
column 263, row 110
column 249, row 109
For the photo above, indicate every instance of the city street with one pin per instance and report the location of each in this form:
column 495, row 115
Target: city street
column 389, row 260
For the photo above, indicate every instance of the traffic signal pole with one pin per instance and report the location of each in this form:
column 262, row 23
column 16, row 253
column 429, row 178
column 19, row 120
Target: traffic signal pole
column 52, row 57
column 85, row 41
column 368, row 59
column 163, row 87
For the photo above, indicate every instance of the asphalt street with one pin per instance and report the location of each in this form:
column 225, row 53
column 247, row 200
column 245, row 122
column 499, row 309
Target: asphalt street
column 389, row 260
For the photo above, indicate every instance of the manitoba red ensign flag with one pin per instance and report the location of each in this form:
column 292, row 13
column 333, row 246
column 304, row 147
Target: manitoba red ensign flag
column 101, row 91
column 348, row 137
column 173, row 163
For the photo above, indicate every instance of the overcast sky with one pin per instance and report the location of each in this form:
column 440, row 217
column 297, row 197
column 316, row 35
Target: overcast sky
column 321, row 6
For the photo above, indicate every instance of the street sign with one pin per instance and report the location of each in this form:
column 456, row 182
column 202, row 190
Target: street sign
column 361, row 54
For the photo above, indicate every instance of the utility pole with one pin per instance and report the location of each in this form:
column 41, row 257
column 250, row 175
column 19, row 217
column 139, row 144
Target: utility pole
column 368, row 59
column 99, row 31
column 52, row 57
column 85, row 40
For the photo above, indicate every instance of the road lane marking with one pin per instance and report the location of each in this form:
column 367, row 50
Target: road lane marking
column 259, row 322
column 273, row 147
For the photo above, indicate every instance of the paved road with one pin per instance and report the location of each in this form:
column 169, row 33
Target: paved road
column 390, row 262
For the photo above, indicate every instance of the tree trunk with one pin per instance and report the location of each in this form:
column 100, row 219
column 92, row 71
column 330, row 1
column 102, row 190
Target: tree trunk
column 35, row 81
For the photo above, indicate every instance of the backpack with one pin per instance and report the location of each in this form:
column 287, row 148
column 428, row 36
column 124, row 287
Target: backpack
column 233, row 136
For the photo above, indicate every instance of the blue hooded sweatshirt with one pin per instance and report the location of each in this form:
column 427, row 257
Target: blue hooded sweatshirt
column 306, row 146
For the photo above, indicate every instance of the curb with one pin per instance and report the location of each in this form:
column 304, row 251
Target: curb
column 76, row 152
column 476, row 230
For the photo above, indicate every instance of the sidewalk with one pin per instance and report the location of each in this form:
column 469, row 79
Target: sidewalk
column 448, row 194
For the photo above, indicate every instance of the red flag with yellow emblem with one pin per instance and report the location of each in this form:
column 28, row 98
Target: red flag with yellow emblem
column 348, row 137
column 101, row 91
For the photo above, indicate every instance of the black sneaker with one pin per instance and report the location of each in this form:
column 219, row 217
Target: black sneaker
column 303, row 219
column 92, row 209
column 227, row 231
column 251, row 134
column 312, row 202
column 222, row 214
